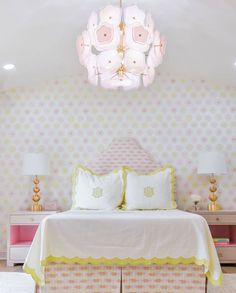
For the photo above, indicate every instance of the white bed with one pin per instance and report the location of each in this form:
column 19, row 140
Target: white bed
column 169, row 246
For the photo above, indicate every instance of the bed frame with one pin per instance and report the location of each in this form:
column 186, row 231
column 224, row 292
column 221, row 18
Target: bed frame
column 168, row 278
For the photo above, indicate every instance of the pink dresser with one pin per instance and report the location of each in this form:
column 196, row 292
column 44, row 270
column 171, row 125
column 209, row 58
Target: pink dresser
column 222, row 223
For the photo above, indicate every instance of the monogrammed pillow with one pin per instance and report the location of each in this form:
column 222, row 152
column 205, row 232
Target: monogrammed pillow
column 150, row 191
column 95, row 191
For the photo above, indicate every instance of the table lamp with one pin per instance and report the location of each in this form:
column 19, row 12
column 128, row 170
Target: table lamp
column 212, row 163
column 36, row 164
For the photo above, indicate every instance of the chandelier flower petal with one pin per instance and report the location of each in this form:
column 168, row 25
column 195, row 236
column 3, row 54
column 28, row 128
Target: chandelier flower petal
column 92, row 69
column 110, row 14
column 83, row 47
column 106, row 37
column 157, row 50
column 148, row 76
column 133, row 14
column 92, row 25
column 134, row 62
column 108, row 62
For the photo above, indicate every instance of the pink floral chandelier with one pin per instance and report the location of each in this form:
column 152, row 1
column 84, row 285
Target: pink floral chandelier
column 120, row 48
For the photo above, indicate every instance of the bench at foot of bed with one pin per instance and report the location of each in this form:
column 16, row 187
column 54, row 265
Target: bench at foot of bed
column 75, row 278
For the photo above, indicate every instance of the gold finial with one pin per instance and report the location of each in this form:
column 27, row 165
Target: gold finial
column 121, row 71
column 120, row 49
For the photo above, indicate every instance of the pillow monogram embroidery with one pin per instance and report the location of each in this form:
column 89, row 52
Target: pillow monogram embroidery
column 148, row 191
column 97, row 192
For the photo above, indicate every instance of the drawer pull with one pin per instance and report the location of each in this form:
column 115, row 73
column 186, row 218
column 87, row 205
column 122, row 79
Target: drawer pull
column 220, row 254
column 217, row 219
column 32, row 219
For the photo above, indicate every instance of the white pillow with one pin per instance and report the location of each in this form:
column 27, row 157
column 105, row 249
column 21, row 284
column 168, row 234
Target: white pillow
column 152, row 191
column 99, row 192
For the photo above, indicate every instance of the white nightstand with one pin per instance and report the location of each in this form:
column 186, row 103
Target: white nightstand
column 222, row 223
column 22, row 227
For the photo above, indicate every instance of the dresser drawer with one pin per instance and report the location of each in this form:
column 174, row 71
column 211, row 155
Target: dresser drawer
column 19, row 253
column 26, row 219
column 227, row 254
column 220, row 219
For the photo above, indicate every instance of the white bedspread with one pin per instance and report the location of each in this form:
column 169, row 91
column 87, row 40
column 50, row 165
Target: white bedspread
column 123, row 237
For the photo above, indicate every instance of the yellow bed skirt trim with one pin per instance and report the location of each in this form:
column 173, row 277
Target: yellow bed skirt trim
column 122, row 262
column 33, row 274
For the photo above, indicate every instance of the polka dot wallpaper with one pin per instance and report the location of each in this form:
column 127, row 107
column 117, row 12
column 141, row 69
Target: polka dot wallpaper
column 173, row 120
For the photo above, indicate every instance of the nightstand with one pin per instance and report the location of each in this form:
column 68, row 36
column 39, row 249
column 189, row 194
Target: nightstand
column 22, row 227
column 222, row 223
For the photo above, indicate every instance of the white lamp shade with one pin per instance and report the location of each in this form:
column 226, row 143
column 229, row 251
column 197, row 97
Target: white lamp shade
column 35, row 164
column 212, row 163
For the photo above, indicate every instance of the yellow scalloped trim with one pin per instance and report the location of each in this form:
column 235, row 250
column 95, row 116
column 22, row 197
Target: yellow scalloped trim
column 81, row 167
column 123, row 262
column 33, row 274
column 154, row 172
column 213, row 281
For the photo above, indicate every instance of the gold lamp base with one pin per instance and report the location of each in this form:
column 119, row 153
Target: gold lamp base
column 36, row 207
column 213, row 205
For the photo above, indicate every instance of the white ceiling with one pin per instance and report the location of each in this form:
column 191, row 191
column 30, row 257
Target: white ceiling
column 39, row 37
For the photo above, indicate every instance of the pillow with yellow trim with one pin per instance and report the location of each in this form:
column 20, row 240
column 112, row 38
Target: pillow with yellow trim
column 95, row 191
column 150, row 191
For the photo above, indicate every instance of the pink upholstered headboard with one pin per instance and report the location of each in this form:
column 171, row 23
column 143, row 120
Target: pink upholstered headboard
column 123, row 152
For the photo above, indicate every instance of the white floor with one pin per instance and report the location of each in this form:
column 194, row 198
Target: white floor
column 14, row 282
column 228, row 286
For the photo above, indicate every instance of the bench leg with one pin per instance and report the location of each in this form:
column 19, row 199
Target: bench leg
column 36, row 288
column 206, row 283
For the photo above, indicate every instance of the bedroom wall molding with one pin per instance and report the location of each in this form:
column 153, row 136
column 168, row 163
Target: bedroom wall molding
column 173, row 120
